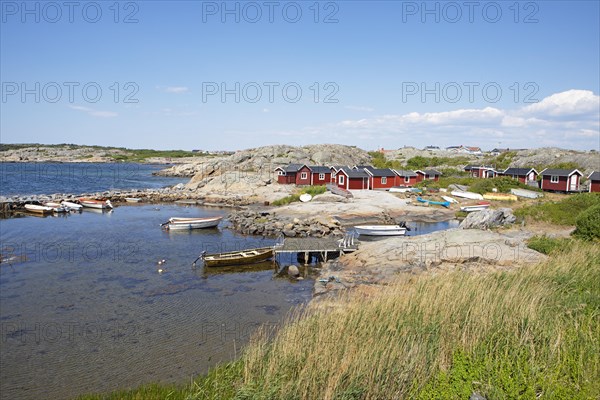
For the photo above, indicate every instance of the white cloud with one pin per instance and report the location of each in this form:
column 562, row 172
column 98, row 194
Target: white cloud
column 95, row 113
column 569, row 119
column 569, row 103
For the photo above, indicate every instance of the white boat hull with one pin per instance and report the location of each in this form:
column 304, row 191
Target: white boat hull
column 132, row 199
column 399, row 189
column 380, row 230
column 99, row 205
column 467, row 195
column 473, row 208
column 529, row 194
column 184, row 224
column 38, row 209
column 72, row 206
column 449, row 199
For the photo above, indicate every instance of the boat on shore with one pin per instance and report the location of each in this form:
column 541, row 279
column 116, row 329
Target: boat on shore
column 242, row 257
column 439, row 203
column 132, row 199
column 449, row 199
column 528, row 194
column 191, row 223
column 466, row 195
column 93, row 203
column 381, row 230
column 56, row 207
column 34, row 208
column 72, row 206
column 476, row 207
column 500, row 196
column 399, row 189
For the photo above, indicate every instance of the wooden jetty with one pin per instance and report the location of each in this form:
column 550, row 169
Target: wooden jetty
column 323, row 248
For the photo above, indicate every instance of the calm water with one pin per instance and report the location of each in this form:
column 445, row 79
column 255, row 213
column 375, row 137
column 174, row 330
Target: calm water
column 83, row 307
column 49, row 178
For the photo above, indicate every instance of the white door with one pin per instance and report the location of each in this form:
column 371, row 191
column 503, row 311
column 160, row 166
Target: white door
column 573, row 185
column 531, row 177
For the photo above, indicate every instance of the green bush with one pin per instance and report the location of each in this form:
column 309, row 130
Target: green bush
column 564, row 212
column 312, row 190
column 547, row 245
column 588, row 223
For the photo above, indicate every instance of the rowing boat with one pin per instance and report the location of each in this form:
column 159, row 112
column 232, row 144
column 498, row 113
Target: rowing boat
column 72, row 206
column 132, row 199
column 449, row 199
column 500, row 196
column 98, row 204
column 250, row 256
column 466, row 195
column 180, row 224
column 380, row 230
column 56, row 207
column 476, row 207
column 439, row 203
column 34, row 208
column 399, row 189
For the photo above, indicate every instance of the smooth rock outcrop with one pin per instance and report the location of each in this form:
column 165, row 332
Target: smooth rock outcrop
column 486, row 219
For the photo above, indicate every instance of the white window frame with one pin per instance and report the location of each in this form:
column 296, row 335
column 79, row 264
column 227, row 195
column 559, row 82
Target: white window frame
column 303, row 175
column 384, row 180
column 553, row 180
column 341, row 180
column 321, row 177
column 407, row 179
column 280, row 173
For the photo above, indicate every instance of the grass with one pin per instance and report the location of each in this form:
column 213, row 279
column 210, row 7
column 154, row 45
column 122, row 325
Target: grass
column 527, row 333
column 563, row 212
column 548, row 245
column 521, row 334
column 312, row 190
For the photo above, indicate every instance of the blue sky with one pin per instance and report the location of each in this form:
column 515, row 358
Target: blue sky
column 372, row 74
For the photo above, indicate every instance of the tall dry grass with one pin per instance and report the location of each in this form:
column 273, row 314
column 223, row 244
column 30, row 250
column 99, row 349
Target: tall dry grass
column 529, row 333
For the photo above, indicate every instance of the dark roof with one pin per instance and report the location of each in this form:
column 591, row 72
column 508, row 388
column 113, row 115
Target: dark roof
column 470, row 166
column 352, row 173
column 364, row 167
column 337, row 167
column 518, row 171
column 405, row 172
column 594, row 176
column 430, row 172
column 381, row 171
column 559, row 172
column 293, row 167
column 319, row 169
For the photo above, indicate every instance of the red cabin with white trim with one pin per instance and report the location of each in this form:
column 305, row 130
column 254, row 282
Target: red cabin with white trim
column 560, row 180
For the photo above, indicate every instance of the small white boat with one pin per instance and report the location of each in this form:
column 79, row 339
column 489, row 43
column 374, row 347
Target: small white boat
column 132, row 199
column 529, row 194
column 467, row 195
column 476, row 207
column 56, row 207
column 98, row 204
column 449, row 199
column 305, row 198
column 72, row 206
column 38, row 209
column 175, row 224
column 399, row 189
column 380, row 230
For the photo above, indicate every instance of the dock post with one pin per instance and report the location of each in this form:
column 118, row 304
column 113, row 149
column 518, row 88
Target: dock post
column 306, row 255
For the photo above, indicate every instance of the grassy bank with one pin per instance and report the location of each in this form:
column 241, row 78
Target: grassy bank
column 312, row 190
column 527, row 333
column 563, row 212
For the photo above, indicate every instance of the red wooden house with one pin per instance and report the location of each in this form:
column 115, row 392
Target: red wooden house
column 319, row 175
column 348, row 178
column 383, row 178
column 405, row 177
column 298, row 174
column 525, row 175
column 481, row 171
column 334, row 169
column 560, row 180
column 428, row 174
column 594, row 179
